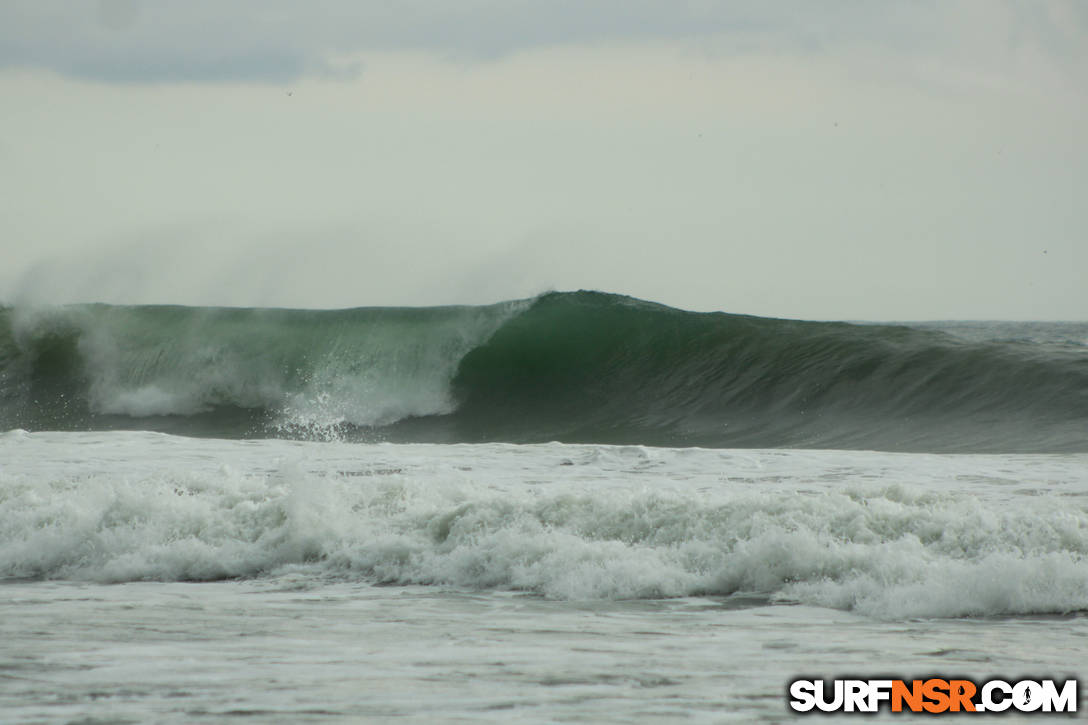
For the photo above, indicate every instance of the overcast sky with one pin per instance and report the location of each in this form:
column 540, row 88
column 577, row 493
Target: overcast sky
column 821, row 160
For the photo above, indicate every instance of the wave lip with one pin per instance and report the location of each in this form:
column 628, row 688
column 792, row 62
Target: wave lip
column 574, row 367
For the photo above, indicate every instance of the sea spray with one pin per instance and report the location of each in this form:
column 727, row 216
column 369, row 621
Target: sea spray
column 574, row 367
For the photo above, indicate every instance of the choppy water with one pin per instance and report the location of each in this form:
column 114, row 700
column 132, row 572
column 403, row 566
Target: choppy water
column 158, row 578
column 580, row 507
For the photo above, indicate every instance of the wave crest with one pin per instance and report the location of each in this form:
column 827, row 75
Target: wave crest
column 574, row 367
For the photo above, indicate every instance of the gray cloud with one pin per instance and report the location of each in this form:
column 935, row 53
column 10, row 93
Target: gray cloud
column 280, row 40
column 834, row 160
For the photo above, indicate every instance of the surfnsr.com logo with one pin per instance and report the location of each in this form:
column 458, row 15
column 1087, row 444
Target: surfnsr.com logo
column 933, row 695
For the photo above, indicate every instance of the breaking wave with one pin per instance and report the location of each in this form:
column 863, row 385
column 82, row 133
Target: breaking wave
column 879, row 549
column 572, row 367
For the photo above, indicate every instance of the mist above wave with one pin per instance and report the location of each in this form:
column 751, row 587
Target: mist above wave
column 576, row 367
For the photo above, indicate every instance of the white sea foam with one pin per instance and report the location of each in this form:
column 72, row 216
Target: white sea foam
column 881, row 534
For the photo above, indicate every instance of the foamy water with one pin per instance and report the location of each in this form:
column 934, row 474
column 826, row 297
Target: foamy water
column 153, row 577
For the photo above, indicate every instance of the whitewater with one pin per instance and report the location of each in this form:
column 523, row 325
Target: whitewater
column 580, row 507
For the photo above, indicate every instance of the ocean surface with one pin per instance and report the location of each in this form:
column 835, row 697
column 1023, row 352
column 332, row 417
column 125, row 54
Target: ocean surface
column 580, row 507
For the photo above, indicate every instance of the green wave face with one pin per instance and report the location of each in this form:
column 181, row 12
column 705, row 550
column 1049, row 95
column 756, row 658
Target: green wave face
column 575, row 367
column 234, row 372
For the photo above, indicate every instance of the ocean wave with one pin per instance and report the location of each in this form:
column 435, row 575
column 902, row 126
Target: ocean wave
column 573, row 367
column 883, row 550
